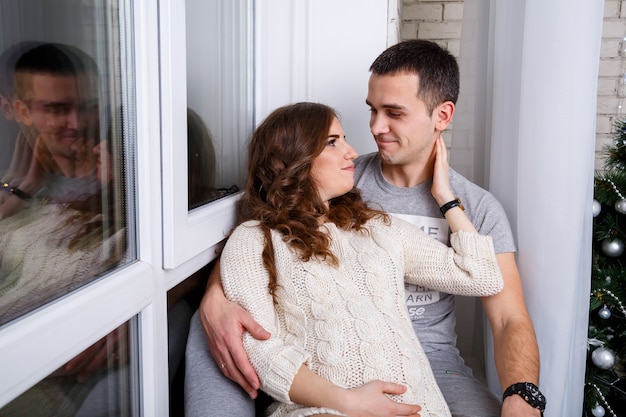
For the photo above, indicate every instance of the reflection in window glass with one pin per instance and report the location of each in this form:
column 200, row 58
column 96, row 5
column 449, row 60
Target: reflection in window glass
column 65, row 140
column 219, row 96
column 96, row 382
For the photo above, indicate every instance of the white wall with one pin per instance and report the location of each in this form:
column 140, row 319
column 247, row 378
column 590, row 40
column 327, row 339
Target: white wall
column 317, row 50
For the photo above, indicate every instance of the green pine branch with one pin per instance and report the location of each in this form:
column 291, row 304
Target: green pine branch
column 607, row 387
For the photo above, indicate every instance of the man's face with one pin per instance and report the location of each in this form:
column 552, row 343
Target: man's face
column 63, row 109
column 400, row 122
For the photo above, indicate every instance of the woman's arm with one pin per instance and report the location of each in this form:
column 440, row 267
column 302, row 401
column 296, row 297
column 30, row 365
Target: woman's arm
column 442, row 192
column 470, row 266
column 368, row 400
column 245, row 282
column 281, row 366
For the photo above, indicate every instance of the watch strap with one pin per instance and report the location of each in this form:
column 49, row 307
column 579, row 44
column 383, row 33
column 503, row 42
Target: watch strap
column 522, row 389
column 451, row 204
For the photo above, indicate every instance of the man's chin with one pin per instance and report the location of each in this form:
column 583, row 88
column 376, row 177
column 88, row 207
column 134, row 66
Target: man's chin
column 76, row 143
column 386, row 157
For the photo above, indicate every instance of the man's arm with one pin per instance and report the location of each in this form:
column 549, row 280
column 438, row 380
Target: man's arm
column 224, row 322
column 515, row 344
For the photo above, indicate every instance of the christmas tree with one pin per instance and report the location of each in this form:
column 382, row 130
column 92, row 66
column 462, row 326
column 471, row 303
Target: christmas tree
column 605, row 379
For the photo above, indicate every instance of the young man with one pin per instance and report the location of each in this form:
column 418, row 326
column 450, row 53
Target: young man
column 412, row 93
column 56, row 97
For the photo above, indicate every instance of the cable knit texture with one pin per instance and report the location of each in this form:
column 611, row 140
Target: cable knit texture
column 36, row 263
column 349, row 324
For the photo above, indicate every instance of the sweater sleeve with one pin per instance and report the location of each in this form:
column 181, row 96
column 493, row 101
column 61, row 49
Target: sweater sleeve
column 469, row 267
column 245, row 281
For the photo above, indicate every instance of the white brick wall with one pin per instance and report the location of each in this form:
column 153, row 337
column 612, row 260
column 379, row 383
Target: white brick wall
column 440, row 21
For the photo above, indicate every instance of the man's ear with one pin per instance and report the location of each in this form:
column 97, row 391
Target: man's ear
column 443, row 115
column 6, row 108
column 22, row 112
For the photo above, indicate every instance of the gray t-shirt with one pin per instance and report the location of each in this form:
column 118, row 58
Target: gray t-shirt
column 432, row 312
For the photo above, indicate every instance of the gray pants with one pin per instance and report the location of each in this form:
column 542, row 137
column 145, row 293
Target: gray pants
column 466, row 396
column 208, row 393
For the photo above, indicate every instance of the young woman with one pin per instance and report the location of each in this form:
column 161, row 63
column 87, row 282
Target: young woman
column 325, row 274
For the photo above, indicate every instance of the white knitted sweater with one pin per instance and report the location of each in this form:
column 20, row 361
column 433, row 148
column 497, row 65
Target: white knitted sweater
column 349, row 324
column 37, row 264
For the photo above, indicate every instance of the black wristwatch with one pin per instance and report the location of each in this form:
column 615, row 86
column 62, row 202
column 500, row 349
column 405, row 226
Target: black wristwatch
column 529, row 392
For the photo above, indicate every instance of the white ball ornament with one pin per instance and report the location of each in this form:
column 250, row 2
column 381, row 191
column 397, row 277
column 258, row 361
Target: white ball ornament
column 613, row 247
column 603, row 358
column 604, row 313
column 598, row 411
column 596, row 208
column 620, row 206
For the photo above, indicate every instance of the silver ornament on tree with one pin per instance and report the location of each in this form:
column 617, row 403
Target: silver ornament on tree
column 596, row 208
column 604, row 313
column 603, row 358
column 620, row 205
column 612, row 247
column 598, row 411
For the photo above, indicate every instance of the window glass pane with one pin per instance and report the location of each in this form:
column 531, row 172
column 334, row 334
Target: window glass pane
column 219, row 96
column 100, row 381
column 66, row 149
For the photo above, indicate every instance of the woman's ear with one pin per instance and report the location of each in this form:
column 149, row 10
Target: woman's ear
column 443, row 115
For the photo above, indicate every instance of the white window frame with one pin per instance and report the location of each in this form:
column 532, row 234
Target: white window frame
column 172, row 242
column 187, row 234
column 321, row 50
column 33, row 346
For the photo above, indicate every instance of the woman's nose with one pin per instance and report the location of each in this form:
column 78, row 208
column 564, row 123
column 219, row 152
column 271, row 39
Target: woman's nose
column 351, row 153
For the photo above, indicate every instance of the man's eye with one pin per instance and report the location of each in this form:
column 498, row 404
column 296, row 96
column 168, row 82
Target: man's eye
column 61, row 109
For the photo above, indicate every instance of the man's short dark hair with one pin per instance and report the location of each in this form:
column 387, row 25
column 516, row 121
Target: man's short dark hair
column 51, row 59
column 436, row 68
column 8, row 59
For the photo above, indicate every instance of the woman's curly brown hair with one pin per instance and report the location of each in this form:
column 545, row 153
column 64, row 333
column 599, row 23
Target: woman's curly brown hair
column 281, row 192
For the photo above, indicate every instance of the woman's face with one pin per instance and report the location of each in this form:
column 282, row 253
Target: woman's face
column 104, row 162
column 333, row 169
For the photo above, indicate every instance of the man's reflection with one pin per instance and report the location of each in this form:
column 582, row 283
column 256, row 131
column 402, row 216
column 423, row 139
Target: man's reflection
column 56, row 94
column 17, row 139
column 59, row 229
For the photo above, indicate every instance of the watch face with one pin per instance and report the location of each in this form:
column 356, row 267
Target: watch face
column 535, row 397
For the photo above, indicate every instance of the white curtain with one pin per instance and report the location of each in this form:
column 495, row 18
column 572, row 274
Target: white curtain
column 525, row 130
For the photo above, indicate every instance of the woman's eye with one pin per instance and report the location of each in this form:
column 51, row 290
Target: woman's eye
column 332, row 142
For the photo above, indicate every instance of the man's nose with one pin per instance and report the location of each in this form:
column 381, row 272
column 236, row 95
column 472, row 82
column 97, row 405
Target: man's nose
column 378, row 125
column 75, row 118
